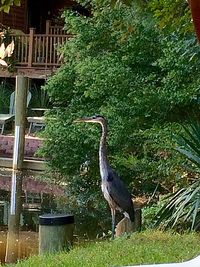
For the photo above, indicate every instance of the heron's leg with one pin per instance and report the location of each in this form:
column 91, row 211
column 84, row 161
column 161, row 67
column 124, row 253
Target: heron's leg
column 113, row 222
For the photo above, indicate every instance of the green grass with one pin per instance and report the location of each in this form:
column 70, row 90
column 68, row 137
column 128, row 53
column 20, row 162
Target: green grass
column 139, row 248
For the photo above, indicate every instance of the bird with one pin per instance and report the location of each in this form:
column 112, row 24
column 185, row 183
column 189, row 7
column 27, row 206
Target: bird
column 113, row 188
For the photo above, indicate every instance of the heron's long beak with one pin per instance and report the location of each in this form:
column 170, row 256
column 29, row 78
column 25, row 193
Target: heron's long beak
column 78, row 120
column 84, row 119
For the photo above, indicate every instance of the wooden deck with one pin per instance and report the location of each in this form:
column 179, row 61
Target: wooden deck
column 37, row 55
column 31, row 161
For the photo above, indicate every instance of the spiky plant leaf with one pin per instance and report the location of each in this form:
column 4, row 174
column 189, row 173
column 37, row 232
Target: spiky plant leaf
column 184, row 205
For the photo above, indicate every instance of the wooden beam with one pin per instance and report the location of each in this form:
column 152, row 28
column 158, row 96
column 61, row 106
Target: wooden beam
column 30, row 51
column 33, row 73
column 21, row 89
column 36, row 165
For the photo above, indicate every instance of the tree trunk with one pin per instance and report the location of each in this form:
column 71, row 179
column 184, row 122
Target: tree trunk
column 195, row 9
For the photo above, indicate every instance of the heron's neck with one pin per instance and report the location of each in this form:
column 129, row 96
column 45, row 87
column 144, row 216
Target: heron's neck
column 103, row 161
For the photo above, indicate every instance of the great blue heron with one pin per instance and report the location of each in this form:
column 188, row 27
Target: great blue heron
column 112, row 186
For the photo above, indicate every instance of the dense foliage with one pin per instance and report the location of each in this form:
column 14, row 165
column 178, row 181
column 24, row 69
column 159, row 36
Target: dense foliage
column 119, row 64
column 172, row 15
column 182, row 207
column 5, row 91
column 6, row 4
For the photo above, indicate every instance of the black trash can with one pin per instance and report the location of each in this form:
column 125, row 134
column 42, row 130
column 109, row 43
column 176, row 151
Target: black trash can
column 55, row 232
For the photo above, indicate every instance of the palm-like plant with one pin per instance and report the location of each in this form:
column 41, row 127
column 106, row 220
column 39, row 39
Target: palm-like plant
column 184, row 205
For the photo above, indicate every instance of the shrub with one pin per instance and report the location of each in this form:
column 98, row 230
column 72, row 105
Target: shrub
column 119, row 65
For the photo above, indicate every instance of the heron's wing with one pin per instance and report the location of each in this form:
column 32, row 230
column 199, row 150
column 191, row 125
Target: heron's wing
column 119, row 193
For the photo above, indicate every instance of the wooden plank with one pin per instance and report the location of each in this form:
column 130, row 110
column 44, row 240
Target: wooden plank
column 36, row 165
column 33, row 73
column 51, row 49
column 30, row 52
column 26, row 50
column 47, row 49
column 16, row 19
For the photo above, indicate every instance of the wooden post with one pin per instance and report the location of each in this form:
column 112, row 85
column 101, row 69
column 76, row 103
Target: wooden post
column 55, row 232
column 48, row 24
column 47, row 51
column 138, row 219
column 30, row 50
column 123, row 226
column 18, row 155
column 126, row 226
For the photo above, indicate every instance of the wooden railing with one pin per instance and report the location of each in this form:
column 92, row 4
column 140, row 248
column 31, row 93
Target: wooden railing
column 39, row 50
column 54, row 29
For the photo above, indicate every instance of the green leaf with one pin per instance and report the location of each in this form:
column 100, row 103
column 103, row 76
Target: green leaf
column 196, row 208
column 6, row 8
column 17, row 2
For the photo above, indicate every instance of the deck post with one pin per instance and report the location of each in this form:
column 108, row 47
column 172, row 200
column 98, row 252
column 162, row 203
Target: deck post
column 30, row 50
column 47, row 51
column 55, row 232
column 18, row 155
column 48, row 25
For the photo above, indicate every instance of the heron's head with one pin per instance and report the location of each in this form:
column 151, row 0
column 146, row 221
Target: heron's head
column 94, row 119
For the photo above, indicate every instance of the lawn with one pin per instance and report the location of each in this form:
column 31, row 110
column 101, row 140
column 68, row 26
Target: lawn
column 139, row 248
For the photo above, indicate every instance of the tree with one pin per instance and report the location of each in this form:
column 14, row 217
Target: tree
column 118, row 64
column 6, row 4
column 172, row 15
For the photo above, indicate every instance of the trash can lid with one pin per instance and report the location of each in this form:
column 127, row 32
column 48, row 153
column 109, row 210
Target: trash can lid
column 56, row 219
